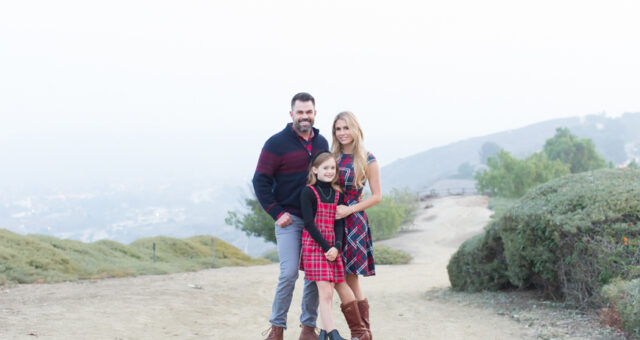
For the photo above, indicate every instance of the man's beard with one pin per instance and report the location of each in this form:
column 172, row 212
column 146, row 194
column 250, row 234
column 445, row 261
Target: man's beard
column 301, row 128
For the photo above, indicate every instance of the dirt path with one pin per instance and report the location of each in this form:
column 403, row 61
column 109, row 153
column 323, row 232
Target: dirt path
column 235, row 303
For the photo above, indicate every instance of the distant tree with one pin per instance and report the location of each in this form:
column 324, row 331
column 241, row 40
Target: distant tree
column 465, row 170
column 255, row 222
column 633, row 165
column 580, row 154
column 511, row 178
column 488, row 149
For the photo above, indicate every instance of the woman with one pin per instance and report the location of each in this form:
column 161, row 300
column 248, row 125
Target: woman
column 356, row 167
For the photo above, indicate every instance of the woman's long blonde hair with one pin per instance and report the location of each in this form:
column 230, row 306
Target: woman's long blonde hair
column 317, row 161
column 360, row 166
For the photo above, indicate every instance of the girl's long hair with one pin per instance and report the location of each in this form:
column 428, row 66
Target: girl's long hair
column 360, row 167
column 317, row 161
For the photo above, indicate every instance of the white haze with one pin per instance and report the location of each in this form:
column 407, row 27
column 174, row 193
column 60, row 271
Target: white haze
column 145, row 89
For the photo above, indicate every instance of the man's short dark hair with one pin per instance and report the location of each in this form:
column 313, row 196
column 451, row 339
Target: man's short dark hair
column 303, row 97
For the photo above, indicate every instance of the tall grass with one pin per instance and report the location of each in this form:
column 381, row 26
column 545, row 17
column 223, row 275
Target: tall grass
column 40, row 258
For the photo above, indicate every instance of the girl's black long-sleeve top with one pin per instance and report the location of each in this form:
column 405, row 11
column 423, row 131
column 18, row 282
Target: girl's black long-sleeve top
column 309, row 205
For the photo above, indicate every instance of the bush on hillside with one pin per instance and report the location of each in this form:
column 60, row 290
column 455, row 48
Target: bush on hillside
column 479, row 263
column 387, row 255
column 385, row 218
column 624, row 298
column 394, row 211
column 568, row 237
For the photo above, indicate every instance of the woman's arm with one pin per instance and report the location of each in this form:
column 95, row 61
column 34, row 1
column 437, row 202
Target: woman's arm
column 375, row 198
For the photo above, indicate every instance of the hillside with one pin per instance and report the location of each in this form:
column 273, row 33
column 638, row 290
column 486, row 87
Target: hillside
column 41, row 258
column 617, row 139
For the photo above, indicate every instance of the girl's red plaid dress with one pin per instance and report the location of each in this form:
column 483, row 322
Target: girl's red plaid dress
column 312, row 259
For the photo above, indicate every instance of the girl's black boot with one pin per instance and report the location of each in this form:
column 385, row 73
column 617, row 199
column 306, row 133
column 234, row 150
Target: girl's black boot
column 334, row 335
column 322, row 335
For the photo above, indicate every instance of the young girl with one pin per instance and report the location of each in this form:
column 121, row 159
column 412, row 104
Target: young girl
column 322, row 243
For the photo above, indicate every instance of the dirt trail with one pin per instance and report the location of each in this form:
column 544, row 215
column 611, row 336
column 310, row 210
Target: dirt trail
column 235, row 303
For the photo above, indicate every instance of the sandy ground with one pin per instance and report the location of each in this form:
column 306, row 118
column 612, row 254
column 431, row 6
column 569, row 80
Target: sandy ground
column 235, row 303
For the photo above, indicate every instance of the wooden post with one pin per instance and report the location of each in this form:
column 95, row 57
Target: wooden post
column 213, row 249
column 154, row 252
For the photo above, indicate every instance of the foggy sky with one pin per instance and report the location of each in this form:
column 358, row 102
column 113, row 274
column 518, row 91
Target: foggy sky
column 194, row 88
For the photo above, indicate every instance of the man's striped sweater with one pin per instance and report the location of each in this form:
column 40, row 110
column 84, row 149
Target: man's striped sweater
column 282, row 171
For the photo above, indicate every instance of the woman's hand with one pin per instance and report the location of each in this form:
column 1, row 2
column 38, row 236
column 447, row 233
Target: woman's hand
column 331, row 254
column 343, row 211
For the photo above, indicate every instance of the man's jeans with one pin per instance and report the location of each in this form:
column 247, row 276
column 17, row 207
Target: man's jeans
column 289, row 243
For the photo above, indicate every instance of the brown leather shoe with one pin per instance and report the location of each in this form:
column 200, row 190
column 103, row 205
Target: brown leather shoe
column 354, row 320
column 275, row 333
column 308, row 333
column 363, row 307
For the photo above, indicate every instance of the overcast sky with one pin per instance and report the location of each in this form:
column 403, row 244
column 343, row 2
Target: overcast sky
column 79, row 77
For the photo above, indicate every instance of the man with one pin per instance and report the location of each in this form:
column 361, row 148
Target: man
column 279, row 178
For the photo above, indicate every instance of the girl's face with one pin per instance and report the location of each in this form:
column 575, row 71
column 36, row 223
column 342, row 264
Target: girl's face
column 343, row 134
column 326, row 171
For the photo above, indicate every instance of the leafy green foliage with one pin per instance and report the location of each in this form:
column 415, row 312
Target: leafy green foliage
column 255, row 222
column 625, row 296
column 511, row 178
column 387, row 255
column 568, row 237
column 387, row 217
column 40, row 258
column 580, row 154
column 479, row 263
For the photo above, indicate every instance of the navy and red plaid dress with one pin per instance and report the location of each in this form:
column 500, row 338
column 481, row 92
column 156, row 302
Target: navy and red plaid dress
column 312, row 259
column 358, row 245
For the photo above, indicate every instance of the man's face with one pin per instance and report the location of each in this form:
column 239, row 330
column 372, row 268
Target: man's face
column 303, row 115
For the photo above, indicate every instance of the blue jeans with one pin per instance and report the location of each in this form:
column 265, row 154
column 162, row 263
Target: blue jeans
column 289, row 244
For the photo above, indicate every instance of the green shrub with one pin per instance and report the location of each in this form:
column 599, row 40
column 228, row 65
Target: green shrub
column 387, row 255
column 625, row 296
column 500, row 205
column 479, row 263
column 409, row 203
column 567, row 237
column 385, row 218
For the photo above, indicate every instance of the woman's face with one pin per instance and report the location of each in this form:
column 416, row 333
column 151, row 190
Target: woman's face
column 343, row 134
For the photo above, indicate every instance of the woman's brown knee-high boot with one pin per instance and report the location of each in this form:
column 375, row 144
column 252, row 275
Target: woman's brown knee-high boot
column 354, row 320
column 363, row 307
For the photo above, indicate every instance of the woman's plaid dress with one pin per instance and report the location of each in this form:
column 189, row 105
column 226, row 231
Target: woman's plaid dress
column 312, row 260
column 358, row 246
